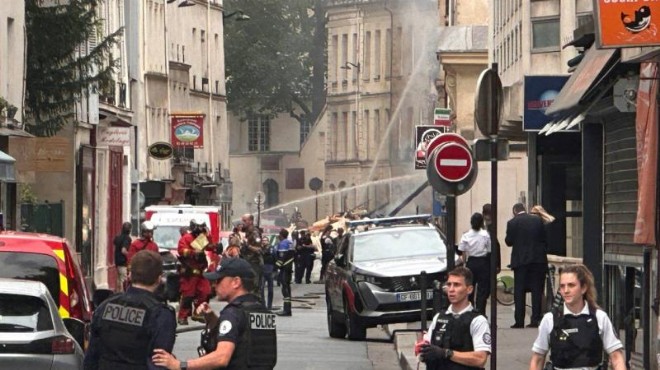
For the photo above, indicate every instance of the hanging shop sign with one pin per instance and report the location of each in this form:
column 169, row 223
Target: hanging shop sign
column 627, row 23
column 540, row 92
column 187, row 131
column 424, row 134
column 161, row 150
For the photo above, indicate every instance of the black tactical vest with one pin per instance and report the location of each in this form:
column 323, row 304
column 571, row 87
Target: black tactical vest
column 257, row 348
column 453, row 333
column 124, row 334
column 575, row 341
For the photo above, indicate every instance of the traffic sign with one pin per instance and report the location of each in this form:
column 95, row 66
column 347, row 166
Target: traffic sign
column 445, row 187
column 442, row 117
column 453, row 162
column 448, row 137
column 488, row 102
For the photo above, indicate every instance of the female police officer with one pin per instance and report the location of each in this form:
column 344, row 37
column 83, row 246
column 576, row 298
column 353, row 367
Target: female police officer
column 577, row 334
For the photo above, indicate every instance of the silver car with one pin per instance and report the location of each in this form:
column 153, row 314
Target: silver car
column 32, row 334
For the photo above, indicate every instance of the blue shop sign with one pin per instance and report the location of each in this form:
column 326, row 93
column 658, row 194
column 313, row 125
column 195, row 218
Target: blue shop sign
column 540, row 92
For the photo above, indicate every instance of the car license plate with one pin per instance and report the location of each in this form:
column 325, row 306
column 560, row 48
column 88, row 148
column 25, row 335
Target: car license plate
column 413, row 296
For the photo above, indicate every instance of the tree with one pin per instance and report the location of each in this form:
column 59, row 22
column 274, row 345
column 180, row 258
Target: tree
column 62, row 64
column 275, row 63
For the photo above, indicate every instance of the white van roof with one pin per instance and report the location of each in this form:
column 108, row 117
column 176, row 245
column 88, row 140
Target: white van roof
column 182, row 208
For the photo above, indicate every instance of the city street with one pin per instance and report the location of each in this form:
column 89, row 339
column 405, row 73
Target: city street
column 303, row 341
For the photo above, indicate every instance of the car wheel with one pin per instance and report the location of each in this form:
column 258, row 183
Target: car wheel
column 354, row 329
column 335, row 329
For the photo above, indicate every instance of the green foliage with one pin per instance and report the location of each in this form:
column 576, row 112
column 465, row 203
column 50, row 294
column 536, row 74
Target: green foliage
column 58, row 71
column 270, row 59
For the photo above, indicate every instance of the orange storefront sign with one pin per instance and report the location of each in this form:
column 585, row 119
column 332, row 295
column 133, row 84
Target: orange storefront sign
column 628, row 23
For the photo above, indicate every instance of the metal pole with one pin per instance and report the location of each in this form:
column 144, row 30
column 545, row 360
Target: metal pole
column 451, row 231
column 422, row 283
column 316, row 206
column 493, row 254
column 258, row 210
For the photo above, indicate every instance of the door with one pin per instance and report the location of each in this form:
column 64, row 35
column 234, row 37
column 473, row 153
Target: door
column 115, row 177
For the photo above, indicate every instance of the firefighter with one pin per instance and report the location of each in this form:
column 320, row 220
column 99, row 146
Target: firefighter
column 144, row 242
column 194, row 288
column 285, row 256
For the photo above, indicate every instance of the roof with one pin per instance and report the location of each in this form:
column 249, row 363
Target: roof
column 23, row 287
column 26, row 236
column 463, row 39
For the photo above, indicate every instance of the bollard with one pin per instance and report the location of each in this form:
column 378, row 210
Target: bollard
column 422, row 283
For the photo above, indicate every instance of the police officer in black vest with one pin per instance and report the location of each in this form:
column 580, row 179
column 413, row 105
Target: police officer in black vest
column 577, row 333
column 246, row 329
column 459, row 338
column 127, row 327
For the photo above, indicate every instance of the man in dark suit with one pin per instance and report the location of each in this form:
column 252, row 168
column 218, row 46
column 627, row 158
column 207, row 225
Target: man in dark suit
column 525, row 233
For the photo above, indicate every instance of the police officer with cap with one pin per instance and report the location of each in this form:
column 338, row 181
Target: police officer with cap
column 285, row 257
column 577, row 333
column 246, row 329
column 127, row 327
column 459, row 338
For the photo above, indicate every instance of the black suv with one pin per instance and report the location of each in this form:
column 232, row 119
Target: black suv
column 375, row 276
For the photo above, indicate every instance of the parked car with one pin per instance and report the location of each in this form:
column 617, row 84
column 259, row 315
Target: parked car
column 32, row 333
column 375, row 276
column 48, row 259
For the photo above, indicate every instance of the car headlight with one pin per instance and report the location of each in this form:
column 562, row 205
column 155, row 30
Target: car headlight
column 366, row 278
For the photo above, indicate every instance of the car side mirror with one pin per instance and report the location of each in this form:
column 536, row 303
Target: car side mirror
column 76, row 328
column 100, row 295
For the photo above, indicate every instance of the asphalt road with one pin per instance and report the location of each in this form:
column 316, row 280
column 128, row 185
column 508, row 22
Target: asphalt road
column 303, row 341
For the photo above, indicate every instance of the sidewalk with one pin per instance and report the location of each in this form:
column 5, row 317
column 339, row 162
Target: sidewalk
column 514, row 346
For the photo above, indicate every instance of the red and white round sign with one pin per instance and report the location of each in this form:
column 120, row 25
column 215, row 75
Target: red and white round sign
column 453, row 162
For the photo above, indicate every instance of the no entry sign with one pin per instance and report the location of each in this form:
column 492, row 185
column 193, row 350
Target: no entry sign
column 453, row 162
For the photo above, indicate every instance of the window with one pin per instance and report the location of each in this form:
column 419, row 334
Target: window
column 583, row 19
column 258, row 133
column 545, row 34
column 335, row 57
column 305, row 129
column 377, row 56
column 367, row 55
column 334, row 133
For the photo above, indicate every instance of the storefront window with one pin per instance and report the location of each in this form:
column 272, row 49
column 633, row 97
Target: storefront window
column 574, row 228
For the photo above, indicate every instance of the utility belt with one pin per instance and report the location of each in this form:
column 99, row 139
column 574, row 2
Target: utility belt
column 186, row 271
column 549, row 366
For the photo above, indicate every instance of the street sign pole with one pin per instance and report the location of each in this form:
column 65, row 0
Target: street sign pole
column 451, row 231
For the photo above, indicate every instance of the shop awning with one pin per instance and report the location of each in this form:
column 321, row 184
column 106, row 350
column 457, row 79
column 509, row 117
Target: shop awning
column 595, row 66
column 7, row 167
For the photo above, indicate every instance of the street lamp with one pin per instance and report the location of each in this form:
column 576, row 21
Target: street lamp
column 259, row 201
column 240, row 15
column 182, row 3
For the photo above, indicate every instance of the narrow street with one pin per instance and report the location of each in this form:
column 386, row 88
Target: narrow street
column 303, row 341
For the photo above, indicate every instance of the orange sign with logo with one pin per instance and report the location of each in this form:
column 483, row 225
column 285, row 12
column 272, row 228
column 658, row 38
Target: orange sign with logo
column 628, row 23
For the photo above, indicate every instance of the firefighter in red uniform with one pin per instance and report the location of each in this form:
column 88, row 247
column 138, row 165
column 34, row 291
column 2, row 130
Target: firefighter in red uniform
column 194, row 288
column 145, row 241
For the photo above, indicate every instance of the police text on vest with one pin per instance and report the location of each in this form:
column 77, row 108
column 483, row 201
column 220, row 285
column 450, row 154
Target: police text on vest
column 124, row 314
column 263, row 321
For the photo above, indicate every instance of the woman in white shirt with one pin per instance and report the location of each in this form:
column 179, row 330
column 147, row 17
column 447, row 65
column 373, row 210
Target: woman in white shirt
column 475, row 245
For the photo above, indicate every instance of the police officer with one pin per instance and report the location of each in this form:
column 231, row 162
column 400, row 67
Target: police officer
column 246, row 329
column 579, row 332
column 127, row 327
column 459, row 338
column 285, row 257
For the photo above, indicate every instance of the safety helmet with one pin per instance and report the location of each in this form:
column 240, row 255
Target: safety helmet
column 147, row 226
column 196, row 223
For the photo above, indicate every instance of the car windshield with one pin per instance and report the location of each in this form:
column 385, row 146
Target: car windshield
column 167, row 236
column 397, row 243
column 32, row 266
column 20, row 313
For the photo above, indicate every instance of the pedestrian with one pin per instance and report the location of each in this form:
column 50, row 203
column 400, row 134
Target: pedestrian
column 458, row 338
column 270, row 257
column 327, row 250
column 145, row 241
column 193, row 287
column 306, row 250
column 122, row 243
column 538, row 210
column 577, row 333
column 526, row 235
column 475, row 245
column 252, row 251
column 127, row 327
column 487, row 211
column 246, row 329
column 285, row 258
